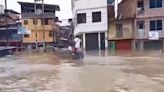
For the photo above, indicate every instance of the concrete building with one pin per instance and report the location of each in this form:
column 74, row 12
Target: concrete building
column 90, row 22
column 139, row 25
column 42, row 25
column 149, row 24
column 65, row 33
column 9, row 21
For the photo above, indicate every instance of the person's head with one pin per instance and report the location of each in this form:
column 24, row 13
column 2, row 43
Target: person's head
column 77, row 36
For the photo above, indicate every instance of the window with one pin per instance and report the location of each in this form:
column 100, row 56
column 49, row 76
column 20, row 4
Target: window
column 35, row 22
column 46, row 21
column 110, row 1
column 81, row 18
column 159, row 24
column 155, row 3
column 119, row 30
column 41, row 21
column 25, row 22
column 140, row 4
column 141, row 24
column 96, row 17
column 155, row 25
column 51, row 34
column 26, row 35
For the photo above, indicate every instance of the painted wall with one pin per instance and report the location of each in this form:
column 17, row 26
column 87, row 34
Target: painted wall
column 151, row 14
column 147, row 27
column 127, row 9
column 127, row 29
column 154, row 12
column 89, row 6
column 91, row 27
column 38, row 29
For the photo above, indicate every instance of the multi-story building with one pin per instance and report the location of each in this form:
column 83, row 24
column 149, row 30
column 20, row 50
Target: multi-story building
column 90, row 22
column 139, row 25
column 121, row 28
column 149, row 24
column 9, row 21
column 42, row 25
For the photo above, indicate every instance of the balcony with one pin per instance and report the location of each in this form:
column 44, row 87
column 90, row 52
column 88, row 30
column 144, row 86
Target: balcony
column 140, row 11
column 140, row 34
column 39, row 27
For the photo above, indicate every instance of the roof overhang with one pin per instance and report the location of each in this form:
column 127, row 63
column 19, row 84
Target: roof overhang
column 46, row 6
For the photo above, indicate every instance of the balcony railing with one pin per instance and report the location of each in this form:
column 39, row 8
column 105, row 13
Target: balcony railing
column 140, row 11
column 140, row 33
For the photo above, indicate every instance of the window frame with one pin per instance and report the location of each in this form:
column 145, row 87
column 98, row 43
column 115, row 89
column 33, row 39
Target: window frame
column 35, row 21
column 51, row 33
column 140, row 4
column 156, row 25
column 46, row 21
column 119, row 30
column 26, row 35
column 94, row 16
column 155, row 4
column 81, row 21
column 139, row 24
column 25, row 22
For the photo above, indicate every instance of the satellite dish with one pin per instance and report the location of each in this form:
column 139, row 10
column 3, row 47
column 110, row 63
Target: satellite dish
column 38, row 12
column 2, row 9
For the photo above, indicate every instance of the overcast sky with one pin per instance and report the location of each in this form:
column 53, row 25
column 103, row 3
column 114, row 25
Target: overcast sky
column 65, row 6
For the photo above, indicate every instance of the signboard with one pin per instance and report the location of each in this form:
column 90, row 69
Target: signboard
column 2, row 10
column 153, row 35
column 23, row 30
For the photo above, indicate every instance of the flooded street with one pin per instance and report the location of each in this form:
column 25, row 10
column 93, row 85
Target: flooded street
column 130, row 72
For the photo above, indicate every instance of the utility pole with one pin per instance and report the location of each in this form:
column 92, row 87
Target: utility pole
column 7, row 33
column 36, row 35
column 116, row 8
column 44, row 42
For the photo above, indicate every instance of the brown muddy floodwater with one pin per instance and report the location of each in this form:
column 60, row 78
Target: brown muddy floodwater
column 120, row 72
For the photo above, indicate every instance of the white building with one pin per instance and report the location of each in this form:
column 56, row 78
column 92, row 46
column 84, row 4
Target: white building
column 91, row 23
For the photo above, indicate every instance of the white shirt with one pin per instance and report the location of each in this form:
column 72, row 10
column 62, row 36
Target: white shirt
column 77, row 42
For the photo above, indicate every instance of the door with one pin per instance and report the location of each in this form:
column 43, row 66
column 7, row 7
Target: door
column 123, row 45
column 119, row 30
column 153, row 45
column 92, row 41
column 102, row 39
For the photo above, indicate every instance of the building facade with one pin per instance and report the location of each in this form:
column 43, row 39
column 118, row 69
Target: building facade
column 42, row 25
column 90, row 23
column 121, row 28
column 139, row 25
column 149, row 24
column 9, row 22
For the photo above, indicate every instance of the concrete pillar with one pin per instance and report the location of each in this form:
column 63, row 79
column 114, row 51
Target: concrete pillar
column 134, row 45
column 163, row 44
column 106, row 40
column 141, row 45
column 84, row 41
column 99, row 40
